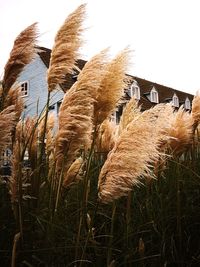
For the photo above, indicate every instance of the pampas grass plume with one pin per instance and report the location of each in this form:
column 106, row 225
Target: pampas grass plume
column 131, row 159
column 22, row 53
column 112, row 85
column 65, row 51
column 73, row 173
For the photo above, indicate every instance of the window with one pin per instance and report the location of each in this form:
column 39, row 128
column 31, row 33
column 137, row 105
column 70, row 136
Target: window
column 24, row 89
column 154, row 95
column 6, row 155
column 135, row 90
column 52, row 107
column 175, row 101
column 58, row 106
column 117, row 115
column 187, row 103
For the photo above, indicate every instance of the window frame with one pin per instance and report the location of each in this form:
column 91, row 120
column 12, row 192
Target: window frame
column 187, row 100
column 135, row 90
column 154, row 95
column 175, row 101
column 22, row 84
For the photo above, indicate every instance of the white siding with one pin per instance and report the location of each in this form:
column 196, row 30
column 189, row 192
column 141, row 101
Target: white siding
column 35, row 73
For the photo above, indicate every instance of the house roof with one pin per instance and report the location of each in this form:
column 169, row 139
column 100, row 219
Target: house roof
column 165, row 93
column 45, row 55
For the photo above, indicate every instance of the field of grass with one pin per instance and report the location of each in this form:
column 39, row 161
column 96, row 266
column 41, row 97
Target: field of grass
column 85, row 192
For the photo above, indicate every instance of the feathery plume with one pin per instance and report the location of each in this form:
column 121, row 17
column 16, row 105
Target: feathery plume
column 131, row 159
column 7, row 123
column 73, row 173
column 130, row 112
column 196, row 111
column 31, row 135
column 65, row 51
column 161, row 117
column 112, row 85
column 14, row 98
column 180, row 131
column 22, row 53
column 75, row 126
column 13, row 181
column 49, row 134
column 90, row 78
column 15, row 163
column 106, row 136
column 76, row 112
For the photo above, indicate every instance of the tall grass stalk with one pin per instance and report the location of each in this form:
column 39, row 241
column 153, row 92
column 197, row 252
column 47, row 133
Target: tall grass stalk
column 42, row 149
column 61, row 222
column 109, row 253
column 15, row 242
column 178, row 220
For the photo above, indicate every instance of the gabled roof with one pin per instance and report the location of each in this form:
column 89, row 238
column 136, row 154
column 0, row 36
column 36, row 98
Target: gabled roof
column 165, row 93
column 45, row 55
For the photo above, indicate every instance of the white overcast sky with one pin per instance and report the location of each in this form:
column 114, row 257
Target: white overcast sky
column 163, row 34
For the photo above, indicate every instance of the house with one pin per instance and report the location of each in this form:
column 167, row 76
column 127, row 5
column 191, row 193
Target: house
column 34, row 89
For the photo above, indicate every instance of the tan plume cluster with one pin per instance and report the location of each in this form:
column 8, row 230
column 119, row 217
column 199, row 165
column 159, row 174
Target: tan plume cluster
column 131, row 158
column 180, row 131
column 65, row 51
column 73, row 174
column 111, row 89
column 14, row 98
column 16, row 163
column 90, row 78
column 22, row 53
column 75, row 126
column 107, row 135
column 13, row 181
column 130, row 112
column 31, row 137
column 50, row 134
column 196, row 110
column 7, row 124
column 76, row 113
column 161, row 117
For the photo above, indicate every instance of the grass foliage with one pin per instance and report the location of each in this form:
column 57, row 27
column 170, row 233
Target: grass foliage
column 92, row 193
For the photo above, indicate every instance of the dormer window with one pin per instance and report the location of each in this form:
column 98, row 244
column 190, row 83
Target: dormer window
column 175, row 101
column 135, row 90
column 187, row 103
column 24, row 89
column 115, row 117
column 154, row 95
